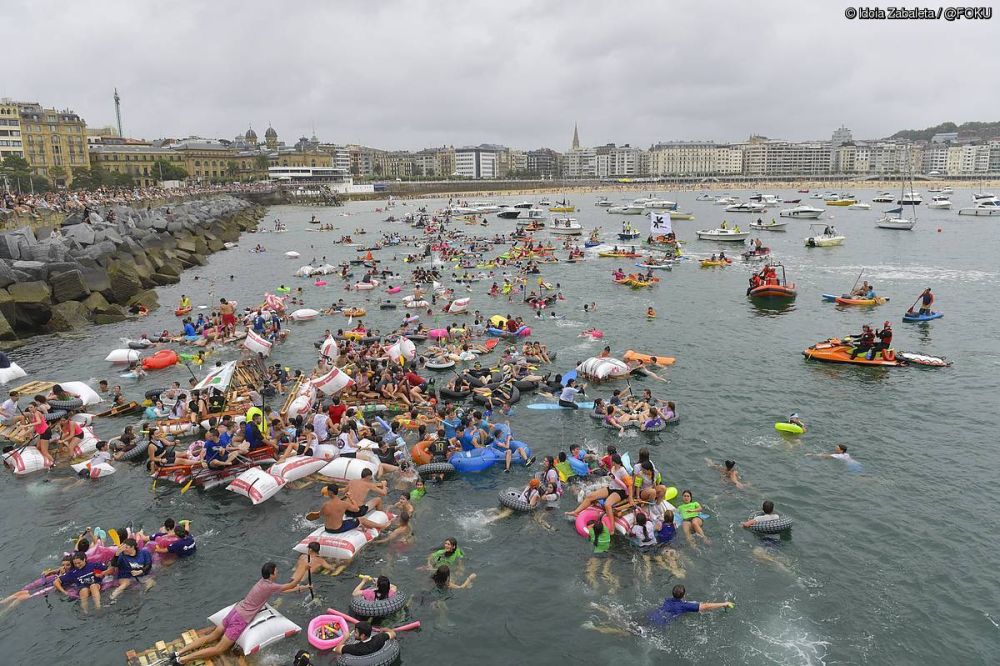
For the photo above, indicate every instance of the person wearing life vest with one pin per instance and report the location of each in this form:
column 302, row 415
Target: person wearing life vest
column 865, row 341
column 926, row 301
column 185, row 302
column 884, row 340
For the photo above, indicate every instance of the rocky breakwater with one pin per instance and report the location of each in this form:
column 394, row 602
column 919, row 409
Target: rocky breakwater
column 92, row 271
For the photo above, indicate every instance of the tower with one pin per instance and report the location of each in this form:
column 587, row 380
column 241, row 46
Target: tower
column 576, row 138
column 271, row 138
column 118, row 113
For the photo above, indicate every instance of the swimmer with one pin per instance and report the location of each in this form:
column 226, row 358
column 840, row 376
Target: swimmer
column 839, row 453
column 795, row 420
column 84, row 577
column 401, row 533
column 676, row 606
column 690, row 511
column 449, row 554
column 650, row 313
column 311, row 562
column 767, row 515
column 728, row 472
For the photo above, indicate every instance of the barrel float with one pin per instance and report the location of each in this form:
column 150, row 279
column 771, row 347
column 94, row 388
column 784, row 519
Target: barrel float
column 257, row 344
column 256, row 485
column 297, row 467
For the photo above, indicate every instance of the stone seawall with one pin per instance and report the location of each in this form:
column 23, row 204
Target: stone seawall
column 87, row 272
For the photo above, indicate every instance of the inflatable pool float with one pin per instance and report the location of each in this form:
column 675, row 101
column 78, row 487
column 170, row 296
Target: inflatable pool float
column 415, row 304
column 304, row 314
column 292, row 254
column 589, row 516
column 138, row 344
column 913, row 316
column 776, row 526
column 160, row 360
column 376, row 608
column 354, row 312
column 790, row 428
column 282, row 290
column 393, row 290
column 475, row 460
column 556, row 405
column 661, row 361
column 842, row 300
column 579, row 467
column 268, row 626
column 708, row 263
column 440, row 365
column 319, row 283
column 326, row 632
column 511, row 498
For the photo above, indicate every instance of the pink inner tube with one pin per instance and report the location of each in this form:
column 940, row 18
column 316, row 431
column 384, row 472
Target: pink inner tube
column 589, row 516
column 393, row 290
column 524, row 331
column 437, row 333
column 319, row 283
column 409, row 626
column 327, row 643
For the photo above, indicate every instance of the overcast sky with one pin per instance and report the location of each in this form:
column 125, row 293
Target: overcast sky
column 411, row 74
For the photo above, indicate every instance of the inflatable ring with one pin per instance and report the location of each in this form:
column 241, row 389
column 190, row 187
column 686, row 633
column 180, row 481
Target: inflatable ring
column 67, row 405
column 526, row 385
column 54, row 415
column 363, row 608
column 154, row 394
column 387, row 306
column 589, row 516
column 387, row 655
column 320, row 625
column 630, row 426
column 440, row 365
column 659, row 427
column 448, row 394
column 594, row 415
column 775, row 526
column 511, row 395
column 790, row 428
column 135, row 453
column 511, row 498
column 139, row 344
column 435, row 468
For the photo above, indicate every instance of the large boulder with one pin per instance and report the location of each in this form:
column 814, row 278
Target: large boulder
column 109, row 315
column 147, row 298
column 69, row 286
column 95, row 302
column 50, row 250
column 9, row 247
column 81, row 233
column 125, row 282
column 32, row 304
column 96, row 279
column 7, row 308
column 38, row 270
column 7, row 275
column 162, row 279
column 6, row 330
column 68, row 316
column 109, row 234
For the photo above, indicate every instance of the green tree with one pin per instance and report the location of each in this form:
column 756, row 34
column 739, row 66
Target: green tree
column 232, row 169
column 262, row 163
column 15, row 166
column 84, row 179
column 164, row 170
column 58, row 174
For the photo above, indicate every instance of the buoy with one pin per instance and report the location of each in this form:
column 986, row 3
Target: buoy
column 939, row 229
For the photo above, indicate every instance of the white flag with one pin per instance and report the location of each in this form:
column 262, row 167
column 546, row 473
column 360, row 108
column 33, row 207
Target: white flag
column 659, row 224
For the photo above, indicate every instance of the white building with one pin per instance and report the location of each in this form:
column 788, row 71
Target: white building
column 766, row 157
column 479, row 162
column 580, row 163
column 694, row 158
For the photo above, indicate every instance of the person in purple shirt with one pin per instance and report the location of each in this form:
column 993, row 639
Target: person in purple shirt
column 83, row 577
column 676, row 605
column 236, row 621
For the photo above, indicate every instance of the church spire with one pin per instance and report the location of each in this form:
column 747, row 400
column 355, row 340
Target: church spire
column 576, row 137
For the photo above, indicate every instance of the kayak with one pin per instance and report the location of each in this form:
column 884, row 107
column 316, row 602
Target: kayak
column 555, row 405
column 830, row 298
column 180, row 312
column 661, row 361
column 878, row 300
column 836, row 351
column 917, row 317
column 707, row 263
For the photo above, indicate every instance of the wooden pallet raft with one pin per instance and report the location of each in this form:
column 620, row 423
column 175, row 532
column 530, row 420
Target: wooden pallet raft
column 159, row 654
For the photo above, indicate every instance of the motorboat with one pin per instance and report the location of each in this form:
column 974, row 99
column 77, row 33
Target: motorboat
column 484, row 207
column 661, row 204
column 773, row 287
column 827, row 236
column 940, row 202
column 726, row 201
column 982, row 196
column 509, row 213
column 746, row 207
column 897, row 223
column 883, row 197
column 840, row 201
column 910, row 198
column 530, row 216
column 705, row 196
column 802, row 212
column 523, row 204
column 795, row 202
column 544, row 202
column 986, row 207
column 769, row 226
column 721, row 234
column 628, row 209
column 765, row 200
column 680, row 215
column 566, row 226
column 859, row 205
column 941, row 190
column 817, row 195
column 603, row 202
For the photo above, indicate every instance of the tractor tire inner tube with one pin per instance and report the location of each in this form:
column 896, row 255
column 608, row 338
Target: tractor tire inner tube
column 74, row 403
column 384, row 657
column 436, row 468
column 511, row 498
column 363, row 608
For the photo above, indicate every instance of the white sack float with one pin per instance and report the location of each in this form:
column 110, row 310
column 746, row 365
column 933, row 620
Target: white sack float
column 297, row 467
column 87, row 445
column 257, row 344
column 305, row 271
column 303, row 401
column 332, row 382
column 345, row 545
column 256, row 485
column 292, row 254
column 330, row 349
column 94, row 471
column 82, row 418
column 458, row 305
column 347, row 469
column 122, row 356
column 364, row 286
column 268, row 626
column 81, row 390
column 25, row 460
column 402, row 348
column 304, row 314
column 602, row 368
column 11, row 373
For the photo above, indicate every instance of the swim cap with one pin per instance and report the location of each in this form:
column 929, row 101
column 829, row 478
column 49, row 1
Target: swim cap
column 534, row 483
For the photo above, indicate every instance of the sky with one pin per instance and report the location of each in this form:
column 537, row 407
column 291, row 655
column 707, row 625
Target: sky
column 400, row 74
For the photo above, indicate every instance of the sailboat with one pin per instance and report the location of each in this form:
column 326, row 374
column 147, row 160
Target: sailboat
column 893, row 218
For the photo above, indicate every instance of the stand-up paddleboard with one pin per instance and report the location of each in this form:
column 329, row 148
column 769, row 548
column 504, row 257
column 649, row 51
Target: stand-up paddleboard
column 555, row 405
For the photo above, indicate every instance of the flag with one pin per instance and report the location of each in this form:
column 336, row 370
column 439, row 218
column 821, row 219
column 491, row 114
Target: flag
column 219, row 378
column 659, row 224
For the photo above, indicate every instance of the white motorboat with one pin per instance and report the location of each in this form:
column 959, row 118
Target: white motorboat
column 523, row 204
column 910, row 198
column 603, row 202
column 882, row 197
column 746, row 207
column 463, row 210
column 661, row 204
column 566, row 226
column 726, row 201
column 941, row 190
column 802, row 212
column 721, row 234
column 859, row 205
column 628, row 209
column 484, row 207
column 982, row 196
column 817, row 195
column 544, row 202
column 897, row 223
column 940, row 202
column 769, row 226
column 826, row 237
column 766, row 200
column 528, row 217
column 509, row 213
column 705, row 196
column 984, row 208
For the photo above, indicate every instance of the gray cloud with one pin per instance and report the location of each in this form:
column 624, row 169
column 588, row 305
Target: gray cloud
column 411, row 74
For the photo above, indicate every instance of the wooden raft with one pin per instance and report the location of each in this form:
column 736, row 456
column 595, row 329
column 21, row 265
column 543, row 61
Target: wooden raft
column 31, row 389
column 160, row 653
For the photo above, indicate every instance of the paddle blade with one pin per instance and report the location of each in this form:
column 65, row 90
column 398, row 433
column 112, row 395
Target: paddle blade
column 187, row 486
column 115, row 539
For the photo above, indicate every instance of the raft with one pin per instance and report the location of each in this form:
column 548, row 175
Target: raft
column 661, row 361
column 180, row 312
column 773, row 291
column 708, row 263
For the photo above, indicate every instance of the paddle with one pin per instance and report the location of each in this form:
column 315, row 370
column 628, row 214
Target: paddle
column 309, row 573
column 910, row 309
column 858, row 280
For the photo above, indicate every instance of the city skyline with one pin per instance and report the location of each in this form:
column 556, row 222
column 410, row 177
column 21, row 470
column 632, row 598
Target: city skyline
column 412, row 75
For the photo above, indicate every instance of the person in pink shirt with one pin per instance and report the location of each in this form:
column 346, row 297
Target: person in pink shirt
column 236, row 621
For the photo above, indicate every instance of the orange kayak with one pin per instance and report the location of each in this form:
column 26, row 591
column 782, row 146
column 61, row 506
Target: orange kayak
column 661, row 361
column 878, row 300
column 835, row 351
column 180, row 312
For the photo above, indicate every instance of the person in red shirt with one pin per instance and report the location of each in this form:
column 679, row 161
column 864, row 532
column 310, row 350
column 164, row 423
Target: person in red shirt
column 414, row 380
column 336, row 411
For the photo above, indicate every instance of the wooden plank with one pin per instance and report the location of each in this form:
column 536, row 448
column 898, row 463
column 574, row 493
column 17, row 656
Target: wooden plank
column 34, row 387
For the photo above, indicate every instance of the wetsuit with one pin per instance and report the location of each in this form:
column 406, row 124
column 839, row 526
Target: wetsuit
column 864, row 344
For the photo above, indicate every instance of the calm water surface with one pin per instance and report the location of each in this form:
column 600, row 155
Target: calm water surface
column 893, row 565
